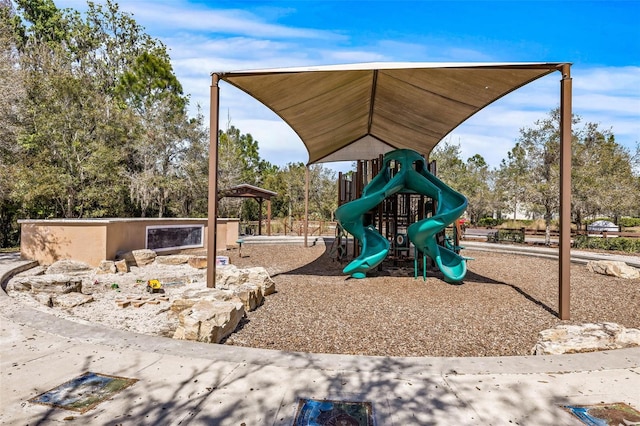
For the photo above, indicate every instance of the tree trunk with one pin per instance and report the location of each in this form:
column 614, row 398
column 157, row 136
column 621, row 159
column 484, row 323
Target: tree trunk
column 547, row 231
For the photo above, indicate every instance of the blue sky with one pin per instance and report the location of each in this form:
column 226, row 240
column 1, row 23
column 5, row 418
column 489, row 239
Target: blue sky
column 601, row 39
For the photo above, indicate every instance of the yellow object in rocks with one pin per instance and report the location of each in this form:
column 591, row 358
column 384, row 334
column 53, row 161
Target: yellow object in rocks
column 154, row 286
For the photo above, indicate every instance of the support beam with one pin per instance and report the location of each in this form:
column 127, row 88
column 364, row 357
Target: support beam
column 212, row 221
column 306, row 206
column 269, row 217
column 564, row 278
column 259, row 216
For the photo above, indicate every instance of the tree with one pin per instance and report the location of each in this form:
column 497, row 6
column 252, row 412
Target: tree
column 475, row 186
column 450, row 166
column 541, row 144
column 472, row 179
column 191, row 193
column 11, row 95
column 603, row 181
column 323, row 199
column 512, row 180
column 151, row 89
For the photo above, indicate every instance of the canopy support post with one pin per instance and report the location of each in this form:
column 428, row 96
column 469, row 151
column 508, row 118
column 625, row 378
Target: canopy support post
column 306, row 205
column 212, row 220
column 564, row 284
column 259, row 216
column 268, row 216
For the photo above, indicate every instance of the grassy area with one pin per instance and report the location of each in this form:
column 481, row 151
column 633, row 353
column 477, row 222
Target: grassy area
column 9, row 249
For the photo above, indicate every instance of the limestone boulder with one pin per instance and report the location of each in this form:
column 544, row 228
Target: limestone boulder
column 69, row 267
column 192, row 296
column 614, row 268
column 174, row 259
column 121, row 266
column 19, row 284
column 57, row 284
column 230, row 277
column 259, row 276
column 227, row 276
column 198, row 262
column 106, row 267
column 71, row 300
column 209, row 321
column 250, row 294
column 140, row 257
column 45, row 299
column 589, row 337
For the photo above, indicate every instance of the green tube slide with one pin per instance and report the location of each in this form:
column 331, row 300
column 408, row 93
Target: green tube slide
column 412, row 176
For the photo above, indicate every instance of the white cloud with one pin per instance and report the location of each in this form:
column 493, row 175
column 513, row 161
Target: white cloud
column 202, row 39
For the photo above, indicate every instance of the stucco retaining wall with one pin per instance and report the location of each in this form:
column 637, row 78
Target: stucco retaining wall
column 94, row 240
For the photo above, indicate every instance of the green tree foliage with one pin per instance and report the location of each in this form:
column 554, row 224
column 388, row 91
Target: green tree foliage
column 476, row 187
column 602, row 178
column 603, row 181
column 11, row 95
column 512, row 181
column 95, row 123
column 472, row 178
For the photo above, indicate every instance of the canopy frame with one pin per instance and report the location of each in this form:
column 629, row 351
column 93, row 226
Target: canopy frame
column 407, row 105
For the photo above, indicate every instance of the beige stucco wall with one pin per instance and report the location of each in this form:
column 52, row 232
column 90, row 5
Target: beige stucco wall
column 94, row 240
column 49, row 242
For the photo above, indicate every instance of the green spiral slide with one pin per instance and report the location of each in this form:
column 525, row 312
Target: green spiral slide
column 413, row 176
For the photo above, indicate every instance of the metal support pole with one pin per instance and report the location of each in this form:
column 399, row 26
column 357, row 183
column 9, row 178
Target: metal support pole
column 259, row 216
column 564, row 284
column 306, row 205
column 269, row 217
column 212, row 221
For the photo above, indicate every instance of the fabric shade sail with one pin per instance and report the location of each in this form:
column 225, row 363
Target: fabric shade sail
column 358, row 111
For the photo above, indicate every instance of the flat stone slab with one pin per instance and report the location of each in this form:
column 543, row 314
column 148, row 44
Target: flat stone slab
column 71, row 300
column 57, row 283
column 589, row 337
column 69, row 267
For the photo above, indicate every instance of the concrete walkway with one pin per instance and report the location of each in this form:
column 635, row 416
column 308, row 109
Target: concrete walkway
column 191, row 383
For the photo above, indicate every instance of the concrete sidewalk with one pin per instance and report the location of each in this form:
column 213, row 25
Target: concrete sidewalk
column 191, row 383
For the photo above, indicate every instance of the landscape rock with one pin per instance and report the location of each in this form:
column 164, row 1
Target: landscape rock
column 614, row 268
column 140, row 257
column 250, row 294
column 227, row 276
column 106, row 267
column 71, row 300
column 589, row 337
column 174, row 259
column 230, row 277
column 69, row 267
column 198, row 262
column 121, row 266
column 57, row 284
column 209, row 321
column 44, row 299
column 190, row 297
column 259, row 275
column 20, row 284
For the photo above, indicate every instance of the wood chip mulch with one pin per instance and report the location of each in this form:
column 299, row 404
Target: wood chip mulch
column 499, row 309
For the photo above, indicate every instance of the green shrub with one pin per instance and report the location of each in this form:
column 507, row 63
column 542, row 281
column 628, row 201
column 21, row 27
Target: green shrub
column 629, row 245
column 629, row 222
column 489, row 222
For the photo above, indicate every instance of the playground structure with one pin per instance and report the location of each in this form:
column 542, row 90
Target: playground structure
column 351, row 112
column 402, row 204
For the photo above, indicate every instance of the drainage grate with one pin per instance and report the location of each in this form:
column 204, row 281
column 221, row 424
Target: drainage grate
column 324, row 412
column 617, row 413
column 84, row 392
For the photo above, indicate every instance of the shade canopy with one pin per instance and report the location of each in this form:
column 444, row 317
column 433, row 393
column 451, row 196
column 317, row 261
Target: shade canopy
column 358, row 111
